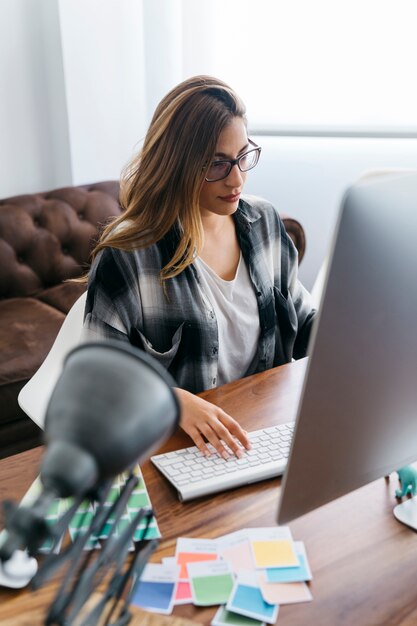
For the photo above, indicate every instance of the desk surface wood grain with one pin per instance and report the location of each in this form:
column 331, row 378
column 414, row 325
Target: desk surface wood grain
column 364, row 562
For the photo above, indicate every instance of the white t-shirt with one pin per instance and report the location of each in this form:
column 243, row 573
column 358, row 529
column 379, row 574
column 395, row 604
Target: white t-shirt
column 236, row 309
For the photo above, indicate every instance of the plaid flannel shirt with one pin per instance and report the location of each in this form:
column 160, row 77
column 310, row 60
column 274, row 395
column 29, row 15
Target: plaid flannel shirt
column 178, row 326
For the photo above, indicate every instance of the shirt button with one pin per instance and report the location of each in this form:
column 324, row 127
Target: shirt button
column 214, row 381
column 212, row 314
column 215, row 350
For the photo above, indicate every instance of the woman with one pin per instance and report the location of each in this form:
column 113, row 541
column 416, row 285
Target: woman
column 197, row 276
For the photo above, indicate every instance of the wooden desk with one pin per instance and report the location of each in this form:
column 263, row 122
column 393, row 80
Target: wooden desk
column 364, row 562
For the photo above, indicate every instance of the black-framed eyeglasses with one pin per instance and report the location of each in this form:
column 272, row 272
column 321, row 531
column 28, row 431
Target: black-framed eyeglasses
column 219, row 169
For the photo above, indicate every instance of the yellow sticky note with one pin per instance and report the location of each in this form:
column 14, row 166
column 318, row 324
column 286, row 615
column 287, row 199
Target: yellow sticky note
column 276, row 553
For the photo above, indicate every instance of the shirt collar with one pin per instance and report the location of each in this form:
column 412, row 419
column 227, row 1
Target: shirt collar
column 246, row 214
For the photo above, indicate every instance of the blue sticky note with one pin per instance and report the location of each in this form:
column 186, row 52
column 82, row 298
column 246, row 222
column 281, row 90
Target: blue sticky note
column 289, row 574
column 248, row 600
column 155, row 596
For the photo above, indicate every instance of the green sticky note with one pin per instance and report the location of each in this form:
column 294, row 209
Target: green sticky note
column 224, row 617
column 210, row 590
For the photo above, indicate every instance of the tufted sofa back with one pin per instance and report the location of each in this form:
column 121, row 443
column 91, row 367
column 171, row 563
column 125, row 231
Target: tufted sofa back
column 46, row 238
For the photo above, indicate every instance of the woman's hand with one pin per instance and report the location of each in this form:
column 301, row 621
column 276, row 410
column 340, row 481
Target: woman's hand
column 203, row 421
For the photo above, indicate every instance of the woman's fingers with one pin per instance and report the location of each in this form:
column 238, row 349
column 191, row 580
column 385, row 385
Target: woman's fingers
column 214, row 438
column 199, row 442
column 204, row 421
column 235, row 431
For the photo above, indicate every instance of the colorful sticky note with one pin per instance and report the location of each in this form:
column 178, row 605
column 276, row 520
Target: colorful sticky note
column 273, row 547
column 236, row 550
column 183, row 593
column 224, row 617
column 291, row 574
column 192, row 551
column 246, row 599
column 211, row 582
column 284, row 593
column 155, row 591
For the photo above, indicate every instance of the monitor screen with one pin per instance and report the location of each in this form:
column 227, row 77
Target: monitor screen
column 357, row 418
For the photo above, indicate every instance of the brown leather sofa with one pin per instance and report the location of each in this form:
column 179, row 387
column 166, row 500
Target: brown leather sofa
column 46, row 238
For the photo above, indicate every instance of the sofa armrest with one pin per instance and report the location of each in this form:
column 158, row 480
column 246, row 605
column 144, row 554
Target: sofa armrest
column 297, row 234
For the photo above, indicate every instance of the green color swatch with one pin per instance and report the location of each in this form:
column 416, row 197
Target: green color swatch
column 210, row 590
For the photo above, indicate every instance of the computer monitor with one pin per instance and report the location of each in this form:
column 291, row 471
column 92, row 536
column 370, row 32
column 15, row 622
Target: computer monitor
column 357, row 418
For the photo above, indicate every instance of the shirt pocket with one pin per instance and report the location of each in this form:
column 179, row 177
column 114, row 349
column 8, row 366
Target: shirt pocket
column 138, row 339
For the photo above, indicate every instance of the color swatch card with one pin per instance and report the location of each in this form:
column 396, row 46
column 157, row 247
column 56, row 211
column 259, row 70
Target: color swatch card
column 211, row 582
column 273, row 547
column 224, row 617
column 246, row 599
column 283, row 593
column 156, row 589
column 80, row 524
column 235, row 548
column 81, row 519
column 139, row 499
column 183, row 593
column 192, row 551
column 291, row 574
column 57, row 508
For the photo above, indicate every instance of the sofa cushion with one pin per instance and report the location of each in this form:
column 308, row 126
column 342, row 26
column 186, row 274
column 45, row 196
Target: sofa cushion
column 63, row 296
column 27, row 332
column 19, row 435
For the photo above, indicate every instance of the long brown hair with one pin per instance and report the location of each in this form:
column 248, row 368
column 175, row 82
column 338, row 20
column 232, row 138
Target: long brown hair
column 161, row 186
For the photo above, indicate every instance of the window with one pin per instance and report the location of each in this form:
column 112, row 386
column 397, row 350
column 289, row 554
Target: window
column 329, row 65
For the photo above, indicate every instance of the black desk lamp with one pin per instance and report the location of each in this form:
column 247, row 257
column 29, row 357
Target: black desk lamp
column 111, row 407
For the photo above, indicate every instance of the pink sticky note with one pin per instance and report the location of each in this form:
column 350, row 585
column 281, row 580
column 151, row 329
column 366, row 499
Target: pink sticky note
column 236, row 549
column 183, row 594
column 239, row 557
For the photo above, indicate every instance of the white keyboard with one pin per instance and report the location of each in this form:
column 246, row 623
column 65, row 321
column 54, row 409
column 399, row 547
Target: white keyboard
column 195, row 475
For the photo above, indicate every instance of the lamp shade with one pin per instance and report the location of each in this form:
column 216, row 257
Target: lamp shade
column 112, row 406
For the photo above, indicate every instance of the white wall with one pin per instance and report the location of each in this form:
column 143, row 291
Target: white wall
column 103, row 57
column 28, row 160
column 72, row 106
column 307, row 176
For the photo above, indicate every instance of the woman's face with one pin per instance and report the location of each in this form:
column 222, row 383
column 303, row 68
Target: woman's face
column 222, row 196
